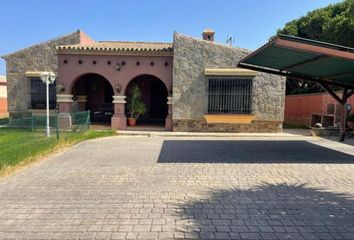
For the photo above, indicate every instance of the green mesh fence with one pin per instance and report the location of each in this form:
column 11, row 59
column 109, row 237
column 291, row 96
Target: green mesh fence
column 39, row 122
column 20, row 122
column 80, row 121
column 4, row 121
column 62, row 122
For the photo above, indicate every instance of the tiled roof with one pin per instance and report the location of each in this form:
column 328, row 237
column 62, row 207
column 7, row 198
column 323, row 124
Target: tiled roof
column 121, row 46
column 208, row 30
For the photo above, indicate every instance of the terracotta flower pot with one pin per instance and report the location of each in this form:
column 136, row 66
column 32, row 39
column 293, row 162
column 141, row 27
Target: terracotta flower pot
column 131, row 121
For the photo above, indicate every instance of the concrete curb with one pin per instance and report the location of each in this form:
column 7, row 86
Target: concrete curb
column 203, row 134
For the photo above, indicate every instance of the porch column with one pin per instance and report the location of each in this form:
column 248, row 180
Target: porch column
column 81, row 102
column 168, row 121
column 64, row 101
column 119, row 120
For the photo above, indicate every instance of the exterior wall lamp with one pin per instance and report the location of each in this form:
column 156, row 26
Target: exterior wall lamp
column 47, row 78
column 118, row 88
column 60, row 88
column 118, row 67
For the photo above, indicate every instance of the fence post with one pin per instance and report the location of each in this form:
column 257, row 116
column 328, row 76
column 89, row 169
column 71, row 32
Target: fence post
column 57, row 126
column 88, row 123
column 32, row 122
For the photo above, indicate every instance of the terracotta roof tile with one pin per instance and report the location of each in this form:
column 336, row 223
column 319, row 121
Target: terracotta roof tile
column 120, row 46
column 208, row 30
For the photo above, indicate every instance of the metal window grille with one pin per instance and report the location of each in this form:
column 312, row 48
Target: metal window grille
column 38, row 94
column 230, row 95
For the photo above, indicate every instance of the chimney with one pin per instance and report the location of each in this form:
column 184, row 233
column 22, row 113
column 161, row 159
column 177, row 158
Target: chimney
column 208, row 34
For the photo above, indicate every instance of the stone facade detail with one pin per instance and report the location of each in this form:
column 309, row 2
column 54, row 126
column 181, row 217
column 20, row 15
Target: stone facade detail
column 191, row 58
column 203, row 126
column 41, row 57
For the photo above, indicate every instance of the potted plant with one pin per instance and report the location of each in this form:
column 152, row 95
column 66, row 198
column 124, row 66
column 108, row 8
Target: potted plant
column 135, row 106
column 350, row 120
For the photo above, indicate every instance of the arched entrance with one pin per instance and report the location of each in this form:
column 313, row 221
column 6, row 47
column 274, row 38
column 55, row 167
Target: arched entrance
column 154, row 96
column 94, row 92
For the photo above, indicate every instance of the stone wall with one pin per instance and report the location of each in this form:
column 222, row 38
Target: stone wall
column 202, row 126
column 41, row 57
column 191, row 57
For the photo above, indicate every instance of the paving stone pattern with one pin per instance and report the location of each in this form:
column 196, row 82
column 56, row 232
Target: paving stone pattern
column 184, row 188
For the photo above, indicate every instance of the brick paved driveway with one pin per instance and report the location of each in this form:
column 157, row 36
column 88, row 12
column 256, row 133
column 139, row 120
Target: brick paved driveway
column 165, row 188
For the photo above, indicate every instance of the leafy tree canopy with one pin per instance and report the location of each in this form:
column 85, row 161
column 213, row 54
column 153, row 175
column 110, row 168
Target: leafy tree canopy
column 333, row 24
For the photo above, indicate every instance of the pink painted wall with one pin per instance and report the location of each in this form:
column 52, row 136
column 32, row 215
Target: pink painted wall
column 70, row 72
column 3, row 106
column 3, row 97
column 299, row 108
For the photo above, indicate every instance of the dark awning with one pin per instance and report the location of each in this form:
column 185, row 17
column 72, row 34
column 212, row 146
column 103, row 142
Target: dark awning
column 304, row 59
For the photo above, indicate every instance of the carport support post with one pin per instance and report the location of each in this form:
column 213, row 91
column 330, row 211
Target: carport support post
column 343, row 116
column 119, row 120
column 342, row 101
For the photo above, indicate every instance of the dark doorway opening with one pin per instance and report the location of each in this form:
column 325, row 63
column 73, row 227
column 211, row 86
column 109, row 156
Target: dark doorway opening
column 108, row 93
column 154, row 96
column 158, row 100
column 99, row 96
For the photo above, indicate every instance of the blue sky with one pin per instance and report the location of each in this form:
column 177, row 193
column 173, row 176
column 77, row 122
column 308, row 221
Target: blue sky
column 252, row 22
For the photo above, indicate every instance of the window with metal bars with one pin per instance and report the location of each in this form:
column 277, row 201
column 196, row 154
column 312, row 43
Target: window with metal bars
column 38, row 94
column 230, row 95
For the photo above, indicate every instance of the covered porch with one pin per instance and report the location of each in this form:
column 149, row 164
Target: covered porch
column 99, row 77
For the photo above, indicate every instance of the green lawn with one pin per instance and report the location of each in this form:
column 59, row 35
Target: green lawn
column 19, row 147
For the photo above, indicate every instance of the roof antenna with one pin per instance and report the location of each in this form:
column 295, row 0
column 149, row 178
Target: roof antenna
column 230, row 40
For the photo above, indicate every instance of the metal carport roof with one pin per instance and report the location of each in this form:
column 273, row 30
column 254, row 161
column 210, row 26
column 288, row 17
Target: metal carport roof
column 305, row 59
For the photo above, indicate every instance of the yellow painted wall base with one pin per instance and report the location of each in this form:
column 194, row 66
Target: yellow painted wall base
column 229, row 118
